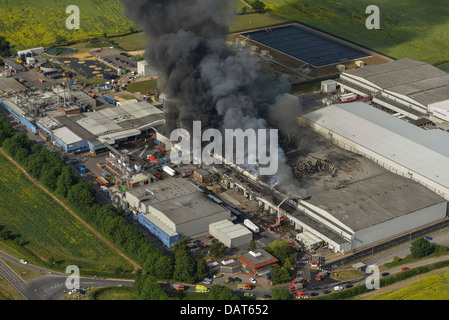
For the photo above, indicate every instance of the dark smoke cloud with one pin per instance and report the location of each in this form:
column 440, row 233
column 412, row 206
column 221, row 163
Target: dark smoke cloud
column 204, row 79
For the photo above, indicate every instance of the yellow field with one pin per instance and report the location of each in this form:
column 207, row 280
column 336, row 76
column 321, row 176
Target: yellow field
column 434, row 287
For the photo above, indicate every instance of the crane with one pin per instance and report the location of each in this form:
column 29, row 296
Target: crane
column 279, row 218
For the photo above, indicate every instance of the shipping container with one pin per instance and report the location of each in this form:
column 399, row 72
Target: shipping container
column 250, row 225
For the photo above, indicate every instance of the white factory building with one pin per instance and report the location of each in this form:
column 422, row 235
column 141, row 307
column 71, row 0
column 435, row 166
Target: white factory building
column 175, row 208
column 408, row 87
column 411, row 190
column 145, row 69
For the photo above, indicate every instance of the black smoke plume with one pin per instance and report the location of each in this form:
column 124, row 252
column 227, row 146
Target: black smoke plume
column 203, row 78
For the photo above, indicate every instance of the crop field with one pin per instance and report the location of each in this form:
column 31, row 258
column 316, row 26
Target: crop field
column 414, row 31
column 50, row 231
column 30, row 23
column 433, row 287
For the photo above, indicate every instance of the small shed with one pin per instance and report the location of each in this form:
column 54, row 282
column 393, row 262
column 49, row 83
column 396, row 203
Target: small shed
column 202, row 176
column 329, row 86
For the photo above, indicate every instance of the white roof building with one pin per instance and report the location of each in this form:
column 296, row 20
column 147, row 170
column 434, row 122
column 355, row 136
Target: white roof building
column 413, row 88
column 398, row 146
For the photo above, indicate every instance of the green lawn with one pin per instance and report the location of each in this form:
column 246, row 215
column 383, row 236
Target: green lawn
column 132, row 42
column 50, row 231
column 143, row 86
column 419, row 31
column 255, row 21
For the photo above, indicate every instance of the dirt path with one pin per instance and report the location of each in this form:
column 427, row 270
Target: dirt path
column 95, row 232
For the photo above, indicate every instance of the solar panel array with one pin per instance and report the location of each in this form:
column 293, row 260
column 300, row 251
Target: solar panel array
column 305, row 45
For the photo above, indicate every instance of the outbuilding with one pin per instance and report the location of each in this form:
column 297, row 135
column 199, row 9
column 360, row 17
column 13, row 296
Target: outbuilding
column 230, row 234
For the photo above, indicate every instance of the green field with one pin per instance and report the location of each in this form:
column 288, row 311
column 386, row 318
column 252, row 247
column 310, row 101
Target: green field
column 137, row 41
column 433, row 287
column 50, row 232
column 143, row 86
column 30, row 23
column 418, row 31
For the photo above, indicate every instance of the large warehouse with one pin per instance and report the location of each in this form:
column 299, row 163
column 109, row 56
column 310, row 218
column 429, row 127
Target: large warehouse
column 92, row 130
column 174, row 208
column 398, row 146
column 411, row 193
column 412, row 88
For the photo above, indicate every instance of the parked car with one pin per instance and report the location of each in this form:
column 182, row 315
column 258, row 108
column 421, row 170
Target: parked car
column 252, row 280
column 338, row 288
column 428, row 238
column 238, row 279
column 230, row 279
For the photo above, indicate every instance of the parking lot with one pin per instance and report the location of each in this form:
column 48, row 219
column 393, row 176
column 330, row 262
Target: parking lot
column 88, row 67
column 116, row 58
column 31, row 79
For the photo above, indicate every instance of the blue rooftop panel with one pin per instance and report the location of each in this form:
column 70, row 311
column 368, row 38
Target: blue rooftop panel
column 305, row 45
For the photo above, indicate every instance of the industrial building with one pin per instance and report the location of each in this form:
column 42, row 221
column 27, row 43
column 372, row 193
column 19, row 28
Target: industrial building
column 408, row 87
column 257, row 262
column 398, row 146
column 173, row 209
column 144, row 69
column 128, row 119
column 383, row 205
column 230, row 234
column 403, row 188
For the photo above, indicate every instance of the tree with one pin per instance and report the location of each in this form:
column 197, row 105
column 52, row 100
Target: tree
column 185, row 268
column 420, row 248
column 16, row 142
column 280, row 294
column 164, row 268
column 65, row 181
column 217, row 249
column 258, row 6
column 49, row 177
column 252, row 245
column 219, row 292
column 5, row 48
column 152, row 291
column 280, row 249
column 280, row 275
column 81, row 195
column 201, row 269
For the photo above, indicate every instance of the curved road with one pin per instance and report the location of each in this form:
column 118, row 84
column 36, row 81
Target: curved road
column 51, row 285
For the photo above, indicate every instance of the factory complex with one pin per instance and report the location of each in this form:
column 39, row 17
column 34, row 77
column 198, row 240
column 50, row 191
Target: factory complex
column 381, row 169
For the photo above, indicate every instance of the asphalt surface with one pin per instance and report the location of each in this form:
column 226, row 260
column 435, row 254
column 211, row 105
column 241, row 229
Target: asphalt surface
column 51, row 285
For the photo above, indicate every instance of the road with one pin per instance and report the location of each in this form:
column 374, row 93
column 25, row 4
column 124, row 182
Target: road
column 51, row 285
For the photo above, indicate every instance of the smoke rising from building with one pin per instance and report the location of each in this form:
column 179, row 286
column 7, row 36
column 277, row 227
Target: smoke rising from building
column 203, row 78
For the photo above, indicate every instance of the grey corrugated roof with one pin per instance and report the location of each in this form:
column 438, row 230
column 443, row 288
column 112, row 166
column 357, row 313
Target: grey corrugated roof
column 417, row 80
column 422, row 151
